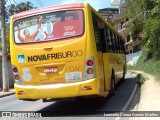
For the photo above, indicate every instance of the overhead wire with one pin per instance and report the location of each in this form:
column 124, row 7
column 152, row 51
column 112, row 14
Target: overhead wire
column 15, row 2
column 40, row 3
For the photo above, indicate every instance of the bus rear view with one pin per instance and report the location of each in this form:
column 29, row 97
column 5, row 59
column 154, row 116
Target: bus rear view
column 48, row 53
column 65, row 51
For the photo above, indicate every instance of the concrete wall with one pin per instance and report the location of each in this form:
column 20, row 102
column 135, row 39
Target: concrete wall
column 133, row 57
column 10, row 74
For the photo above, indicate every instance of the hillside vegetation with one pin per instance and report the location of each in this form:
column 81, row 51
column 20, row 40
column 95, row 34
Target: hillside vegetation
column 148, row 65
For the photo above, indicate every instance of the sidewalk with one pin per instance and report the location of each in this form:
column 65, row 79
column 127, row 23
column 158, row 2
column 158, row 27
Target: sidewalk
column 149, row 94
column 149, row 99
column 4, row 94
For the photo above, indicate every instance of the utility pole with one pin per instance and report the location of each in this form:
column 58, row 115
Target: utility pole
column 5, row 77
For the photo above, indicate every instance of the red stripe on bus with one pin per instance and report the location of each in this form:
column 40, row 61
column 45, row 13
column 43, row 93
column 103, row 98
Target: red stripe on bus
column 47, row 9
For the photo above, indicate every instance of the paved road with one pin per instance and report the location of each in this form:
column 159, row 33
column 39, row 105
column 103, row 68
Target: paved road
column 84, row 107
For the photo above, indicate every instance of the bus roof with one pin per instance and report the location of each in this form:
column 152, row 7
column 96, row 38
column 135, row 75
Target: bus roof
column 51, row 8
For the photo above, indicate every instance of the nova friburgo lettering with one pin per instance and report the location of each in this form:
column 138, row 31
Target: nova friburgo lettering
column 59, row 55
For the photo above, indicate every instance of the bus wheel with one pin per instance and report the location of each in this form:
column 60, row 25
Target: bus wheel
column 112, row 84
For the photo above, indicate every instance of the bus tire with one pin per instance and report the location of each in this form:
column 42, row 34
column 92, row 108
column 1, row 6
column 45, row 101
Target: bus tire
column 112, row 91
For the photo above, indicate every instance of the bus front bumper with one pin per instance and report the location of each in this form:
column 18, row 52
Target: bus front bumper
column 66, row 90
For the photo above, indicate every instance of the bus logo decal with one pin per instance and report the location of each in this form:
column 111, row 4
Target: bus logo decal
column 21, row 58
column 59, row 55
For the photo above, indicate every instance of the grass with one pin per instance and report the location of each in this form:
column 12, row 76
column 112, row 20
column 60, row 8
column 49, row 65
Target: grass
column 150, row 66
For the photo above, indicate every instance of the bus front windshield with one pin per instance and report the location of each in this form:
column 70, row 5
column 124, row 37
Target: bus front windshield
column 49, row 26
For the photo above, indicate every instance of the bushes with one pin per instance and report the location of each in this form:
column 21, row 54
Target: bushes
column 140, row 79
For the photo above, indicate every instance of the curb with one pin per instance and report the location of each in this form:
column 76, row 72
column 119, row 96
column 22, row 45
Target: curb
column 7, row 94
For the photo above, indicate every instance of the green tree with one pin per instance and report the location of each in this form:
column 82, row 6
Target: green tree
column 13, row 9
column 23, row 6
column 135, row 12
column 145, row 18
column 152, row 27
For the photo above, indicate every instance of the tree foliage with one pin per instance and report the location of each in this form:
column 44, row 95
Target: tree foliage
column 23, row 6
column 135, row 14
column 146, row 19
column 152, row 27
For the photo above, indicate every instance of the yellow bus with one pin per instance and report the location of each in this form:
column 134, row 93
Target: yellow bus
column 65, row 51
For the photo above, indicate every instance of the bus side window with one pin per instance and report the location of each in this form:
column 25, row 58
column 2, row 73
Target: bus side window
column 118, row 45
column 123, row 47
column 113, row 42
column 96, row 32
column 109, row 41
column 102, row 35
column 106, row 39
column 102, row 39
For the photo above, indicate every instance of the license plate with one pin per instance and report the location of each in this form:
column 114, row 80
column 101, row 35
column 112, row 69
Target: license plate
column 51, row 69
column 73, row 76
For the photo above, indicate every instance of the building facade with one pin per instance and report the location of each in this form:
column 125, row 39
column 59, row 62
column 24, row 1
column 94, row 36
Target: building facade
column 120, row 22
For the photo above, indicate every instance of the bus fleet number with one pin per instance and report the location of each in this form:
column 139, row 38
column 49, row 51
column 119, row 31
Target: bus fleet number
column 76, row 68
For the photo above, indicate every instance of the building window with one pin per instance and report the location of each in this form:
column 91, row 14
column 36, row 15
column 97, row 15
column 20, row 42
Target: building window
column 130, row 51
column 126, row 46
column 122, row 24
column 128, row 38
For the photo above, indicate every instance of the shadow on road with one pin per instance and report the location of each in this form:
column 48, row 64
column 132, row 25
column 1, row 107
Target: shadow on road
column 136, row 99
column 93, row 106
column 89, row 106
